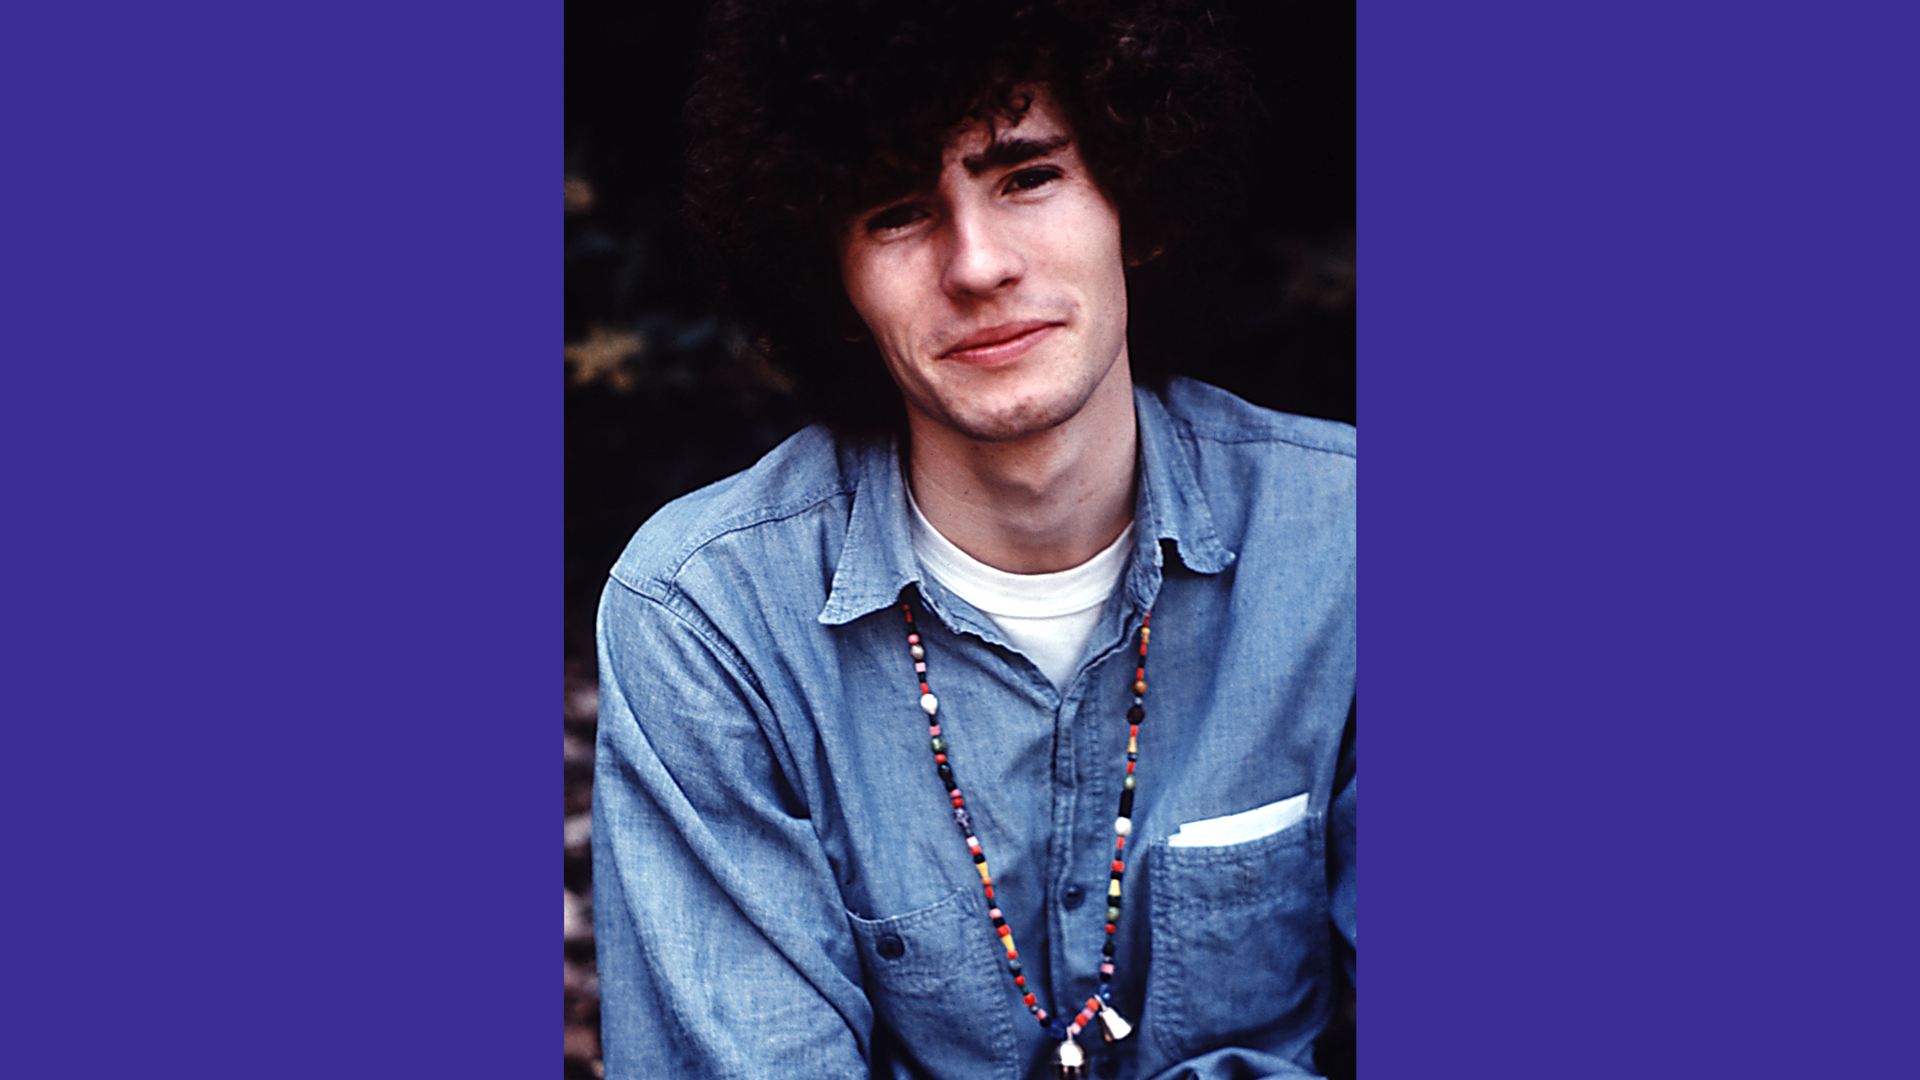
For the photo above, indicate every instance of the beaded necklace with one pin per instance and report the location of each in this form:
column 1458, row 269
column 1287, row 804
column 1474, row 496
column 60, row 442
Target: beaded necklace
column 1070, row 1062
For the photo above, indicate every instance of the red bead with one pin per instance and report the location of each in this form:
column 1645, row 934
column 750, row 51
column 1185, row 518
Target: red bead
column 1029, row 999
column 1109, row 928
column 1119, row 843
column 1019, row 980
column 1118, row 866
column 1129, row 767
column 941, row 758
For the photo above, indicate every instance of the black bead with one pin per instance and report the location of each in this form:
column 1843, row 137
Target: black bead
column 1126, row 803
column 1135, row 714
column 1107, row 949
column 946, row 774
column 980, row 857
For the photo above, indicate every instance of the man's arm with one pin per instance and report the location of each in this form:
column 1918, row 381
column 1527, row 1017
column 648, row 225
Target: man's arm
column 723, row 943
column 1342, row 843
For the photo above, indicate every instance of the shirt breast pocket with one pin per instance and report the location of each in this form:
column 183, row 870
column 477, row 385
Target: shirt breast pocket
column 1241, row 949
column 928, row 973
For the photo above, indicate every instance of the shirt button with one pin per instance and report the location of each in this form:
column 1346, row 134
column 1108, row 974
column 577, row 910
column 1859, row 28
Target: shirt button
column 1075, row 896
column 890, row 946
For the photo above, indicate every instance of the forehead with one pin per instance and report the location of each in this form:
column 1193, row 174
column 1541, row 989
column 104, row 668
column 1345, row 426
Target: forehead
column 1028, row 114
column 1040, row 120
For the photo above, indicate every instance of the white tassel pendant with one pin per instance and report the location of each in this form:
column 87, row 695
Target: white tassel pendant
column 1112, row 1025
column 1070, row 1062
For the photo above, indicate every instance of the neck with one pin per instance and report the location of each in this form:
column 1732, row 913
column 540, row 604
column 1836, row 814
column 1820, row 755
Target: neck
column 1040, row 503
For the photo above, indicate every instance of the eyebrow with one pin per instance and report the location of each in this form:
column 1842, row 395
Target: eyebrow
column 1012, row 151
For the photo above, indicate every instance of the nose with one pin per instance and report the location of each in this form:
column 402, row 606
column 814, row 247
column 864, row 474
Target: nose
column 982, row 257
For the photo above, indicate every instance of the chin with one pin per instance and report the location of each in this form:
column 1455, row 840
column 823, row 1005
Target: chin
column 1015, row 421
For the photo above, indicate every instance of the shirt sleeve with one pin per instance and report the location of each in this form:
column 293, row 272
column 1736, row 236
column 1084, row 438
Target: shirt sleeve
column 1234, row 1063
column 723, row 944
column 1342, row 855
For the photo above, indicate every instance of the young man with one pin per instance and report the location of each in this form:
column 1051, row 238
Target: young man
column 1006, row 725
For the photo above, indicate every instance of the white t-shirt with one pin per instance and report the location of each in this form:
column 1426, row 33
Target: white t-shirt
column 1047, row 617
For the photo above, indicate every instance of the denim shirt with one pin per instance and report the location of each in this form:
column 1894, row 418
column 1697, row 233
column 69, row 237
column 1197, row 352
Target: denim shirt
column 779, row 886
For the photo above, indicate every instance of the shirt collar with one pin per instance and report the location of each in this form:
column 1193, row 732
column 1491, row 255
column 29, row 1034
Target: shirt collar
column 877, row 560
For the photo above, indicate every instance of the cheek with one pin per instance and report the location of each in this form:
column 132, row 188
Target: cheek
column 873, row 289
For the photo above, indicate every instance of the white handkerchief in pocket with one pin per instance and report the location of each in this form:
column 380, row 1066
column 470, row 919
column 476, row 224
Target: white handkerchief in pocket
column 1242, row 827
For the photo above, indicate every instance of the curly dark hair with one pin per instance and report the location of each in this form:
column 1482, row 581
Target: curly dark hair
column 806, row 111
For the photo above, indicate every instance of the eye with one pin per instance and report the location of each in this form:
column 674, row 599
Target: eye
column 1028, row 179
column 898, row 216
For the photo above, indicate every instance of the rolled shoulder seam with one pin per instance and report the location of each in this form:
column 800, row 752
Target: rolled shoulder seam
column 668, row 573
column 1276, row 433
column 684, row 613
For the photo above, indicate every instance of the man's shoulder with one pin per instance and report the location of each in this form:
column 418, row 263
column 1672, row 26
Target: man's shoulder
column 758, row 505
column 1210, row 414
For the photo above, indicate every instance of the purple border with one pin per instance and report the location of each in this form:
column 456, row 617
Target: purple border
column 1636, row 372
column 1638, row 385
column 285, row 381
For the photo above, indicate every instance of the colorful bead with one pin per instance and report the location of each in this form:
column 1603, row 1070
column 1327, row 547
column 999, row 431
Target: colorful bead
column 1114, row 1027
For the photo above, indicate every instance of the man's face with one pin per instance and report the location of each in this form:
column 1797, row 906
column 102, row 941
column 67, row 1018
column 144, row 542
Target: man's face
column 997, row 298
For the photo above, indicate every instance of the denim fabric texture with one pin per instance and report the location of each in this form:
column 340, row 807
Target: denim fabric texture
column 779, row 887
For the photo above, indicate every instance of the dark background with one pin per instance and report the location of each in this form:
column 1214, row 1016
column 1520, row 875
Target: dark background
column 662, row 395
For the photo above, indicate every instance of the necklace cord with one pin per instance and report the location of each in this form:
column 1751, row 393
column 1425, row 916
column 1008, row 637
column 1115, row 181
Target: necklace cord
column 1069, row 1060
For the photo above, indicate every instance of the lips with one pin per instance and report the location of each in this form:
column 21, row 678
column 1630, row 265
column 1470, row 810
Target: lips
column 1002, row 342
